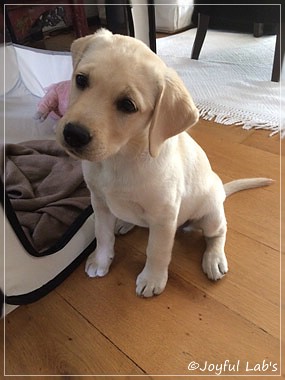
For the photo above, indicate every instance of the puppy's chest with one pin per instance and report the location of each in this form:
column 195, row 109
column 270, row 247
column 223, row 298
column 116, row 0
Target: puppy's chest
column 126, row 206
column 123, row 194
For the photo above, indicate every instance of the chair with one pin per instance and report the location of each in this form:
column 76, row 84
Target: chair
column 255, row 16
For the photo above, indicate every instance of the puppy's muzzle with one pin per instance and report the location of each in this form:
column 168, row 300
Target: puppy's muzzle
column 76, row 136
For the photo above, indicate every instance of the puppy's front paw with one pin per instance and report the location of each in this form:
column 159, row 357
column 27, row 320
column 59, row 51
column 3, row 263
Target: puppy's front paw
column 215, row 266
column 98, row 265
column 150, row 284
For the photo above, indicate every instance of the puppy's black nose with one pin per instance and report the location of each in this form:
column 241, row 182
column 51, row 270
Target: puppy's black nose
column 75, row 135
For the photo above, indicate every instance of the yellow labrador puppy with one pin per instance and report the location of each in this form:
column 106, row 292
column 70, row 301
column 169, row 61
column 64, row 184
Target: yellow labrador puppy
column 126, row 120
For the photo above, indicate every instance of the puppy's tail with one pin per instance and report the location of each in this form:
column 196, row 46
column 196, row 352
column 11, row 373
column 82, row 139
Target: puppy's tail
column 246, row 183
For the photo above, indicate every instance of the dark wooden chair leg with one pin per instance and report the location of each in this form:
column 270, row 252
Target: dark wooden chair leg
column 203, row 22
column 279, row 53
column 276, row 69
column 117, row 21
column 258, row 28
column 151, row 24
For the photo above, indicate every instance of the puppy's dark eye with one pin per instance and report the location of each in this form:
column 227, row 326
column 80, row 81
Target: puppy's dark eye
column 81, row 81
column 126, row 105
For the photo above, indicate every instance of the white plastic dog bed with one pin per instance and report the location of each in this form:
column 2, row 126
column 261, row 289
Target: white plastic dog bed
column 26, row 273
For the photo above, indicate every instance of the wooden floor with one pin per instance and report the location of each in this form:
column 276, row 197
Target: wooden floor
column 100, row 327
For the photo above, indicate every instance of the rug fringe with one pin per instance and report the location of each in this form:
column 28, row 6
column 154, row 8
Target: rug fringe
column 232, row 117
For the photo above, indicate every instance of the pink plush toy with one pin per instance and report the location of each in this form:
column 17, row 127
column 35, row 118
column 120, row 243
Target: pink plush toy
column 55, row 101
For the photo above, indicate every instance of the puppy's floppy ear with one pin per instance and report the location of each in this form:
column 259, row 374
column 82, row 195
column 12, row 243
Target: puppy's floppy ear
column 174, row 112
column 78, row 47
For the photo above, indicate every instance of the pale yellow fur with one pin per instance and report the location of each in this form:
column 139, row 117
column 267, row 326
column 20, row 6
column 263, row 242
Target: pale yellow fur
column 143, row 168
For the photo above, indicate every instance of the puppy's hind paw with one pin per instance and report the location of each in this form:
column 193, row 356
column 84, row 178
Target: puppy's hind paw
column 121, row 227
column 214, row 266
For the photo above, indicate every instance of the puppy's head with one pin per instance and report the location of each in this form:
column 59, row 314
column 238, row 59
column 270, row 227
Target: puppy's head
column 123, row 99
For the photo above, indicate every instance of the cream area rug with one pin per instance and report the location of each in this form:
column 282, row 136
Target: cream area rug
column 230, row 83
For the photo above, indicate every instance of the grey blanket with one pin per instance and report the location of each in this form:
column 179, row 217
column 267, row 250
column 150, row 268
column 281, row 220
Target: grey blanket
column 45, row 187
